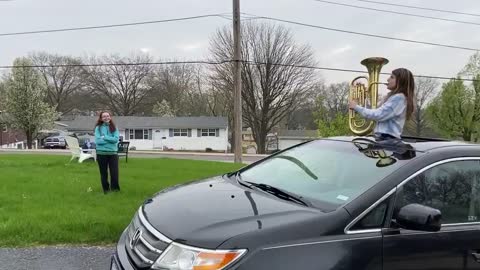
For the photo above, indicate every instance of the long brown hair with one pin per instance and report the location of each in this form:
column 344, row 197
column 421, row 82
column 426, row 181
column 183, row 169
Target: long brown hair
column 406, row 86
column 111, row 125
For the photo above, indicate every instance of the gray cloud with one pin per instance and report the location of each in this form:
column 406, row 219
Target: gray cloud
column 189, row 39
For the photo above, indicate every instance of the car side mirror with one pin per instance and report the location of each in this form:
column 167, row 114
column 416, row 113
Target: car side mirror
column 419, row 217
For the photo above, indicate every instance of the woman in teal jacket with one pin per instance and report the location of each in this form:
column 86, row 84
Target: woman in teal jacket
column 106, row 140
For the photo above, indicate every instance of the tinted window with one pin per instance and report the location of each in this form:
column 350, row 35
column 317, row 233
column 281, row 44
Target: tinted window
column 453, row 188
column 328, row 171
column 374, row 219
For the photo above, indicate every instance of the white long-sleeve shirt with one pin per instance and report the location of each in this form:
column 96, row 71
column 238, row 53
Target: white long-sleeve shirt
column 390, row 116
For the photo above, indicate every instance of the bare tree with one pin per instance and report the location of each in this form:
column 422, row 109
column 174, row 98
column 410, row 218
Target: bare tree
column 121, row 83
column 218, row 104
column 197, row 96
column 426, row 89
column 200, row 96
column 331, row 107
column 63, row 78
column 273, row 84
column 334, row 98
column 181, row 86
column 304, row 116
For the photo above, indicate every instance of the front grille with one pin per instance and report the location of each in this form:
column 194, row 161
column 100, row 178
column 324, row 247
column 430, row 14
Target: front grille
column 143, row 243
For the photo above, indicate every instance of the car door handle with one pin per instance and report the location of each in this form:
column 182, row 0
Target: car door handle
column 476, row 256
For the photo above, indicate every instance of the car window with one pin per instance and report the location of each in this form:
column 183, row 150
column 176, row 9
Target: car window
column 453, row 188
column 374, row 219
column 327, row 171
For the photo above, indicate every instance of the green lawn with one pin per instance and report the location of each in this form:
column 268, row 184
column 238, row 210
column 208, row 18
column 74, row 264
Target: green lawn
column 44, row 200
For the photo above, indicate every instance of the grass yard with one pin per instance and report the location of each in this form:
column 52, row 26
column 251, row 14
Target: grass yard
column 44, row 200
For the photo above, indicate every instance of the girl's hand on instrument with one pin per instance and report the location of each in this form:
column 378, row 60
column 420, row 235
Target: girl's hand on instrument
column 352, row 104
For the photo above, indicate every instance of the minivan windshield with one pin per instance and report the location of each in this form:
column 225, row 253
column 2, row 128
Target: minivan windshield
column 328, row 173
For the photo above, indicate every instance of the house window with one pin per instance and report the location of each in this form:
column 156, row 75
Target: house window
column 177, row 132
column 138, row 134
column 180, row 132
column 209, row 132
column 146, row 134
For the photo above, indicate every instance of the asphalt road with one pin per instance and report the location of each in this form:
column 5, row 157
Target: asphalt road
column 53, row 258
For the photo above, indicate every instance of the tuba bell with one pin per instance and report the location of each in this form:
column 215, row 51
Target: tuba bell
column 365, row 96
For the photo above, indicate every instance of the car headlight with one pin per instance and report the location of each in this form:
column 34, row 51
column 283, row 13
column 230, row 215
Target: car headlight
column 181, row 257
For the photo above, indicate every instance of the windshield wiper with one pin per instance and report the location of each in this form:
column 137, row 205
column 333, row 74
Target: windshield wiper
column 299, row 164
column 279, row 193
column 239, row 180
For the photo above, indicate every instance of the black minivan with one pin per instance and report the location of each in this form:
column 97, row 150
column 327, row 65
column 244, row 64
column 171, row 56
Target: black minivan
column 332, row 203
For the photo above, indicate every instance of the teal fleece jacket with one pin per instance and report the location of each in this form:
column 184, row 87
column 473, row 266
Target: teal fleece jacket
column 109, row 142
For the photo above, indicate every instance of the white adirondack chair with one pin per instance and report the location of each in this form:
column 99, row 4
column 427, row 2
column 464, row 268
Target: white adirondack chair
column 77, row 151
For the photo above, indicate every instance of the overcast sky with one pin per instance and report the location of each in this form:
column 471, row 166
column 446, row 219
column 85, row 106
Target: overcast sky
column 188, row 40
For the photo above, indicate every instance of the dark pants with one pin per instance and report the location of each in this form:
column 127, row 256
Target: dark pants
column 106, row 162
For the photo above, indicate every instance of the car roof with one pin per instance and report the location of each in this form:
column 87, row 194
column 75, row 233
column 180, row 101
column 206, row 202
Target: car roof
column 419, row 144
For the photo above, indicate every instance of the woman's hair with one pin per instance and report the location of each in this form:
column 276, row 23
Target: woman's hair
column 100, row 121
column 406, row 86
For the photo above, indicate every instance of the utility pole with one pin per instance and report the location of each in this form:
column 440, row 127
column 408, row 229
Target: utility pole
column 237, row 82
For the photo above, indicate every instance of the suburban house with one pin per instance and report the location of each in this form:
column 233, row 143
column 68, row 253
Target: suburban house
column 11, row 138
column 162, row 133
column 288, row 138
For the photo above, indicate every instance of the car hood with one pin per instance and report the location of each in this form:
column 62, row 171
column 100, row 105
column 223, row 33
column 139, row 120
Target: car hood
column 209, row 212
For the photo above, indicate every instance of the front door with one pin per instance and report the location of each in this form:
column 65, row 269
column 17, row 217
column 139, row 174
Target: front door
column 157, row 139
column 452, row 188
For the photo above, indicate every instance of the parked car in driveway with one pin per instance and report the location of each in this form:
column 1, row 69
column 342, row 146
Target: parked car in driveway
column 55, row 142
column 328, row 204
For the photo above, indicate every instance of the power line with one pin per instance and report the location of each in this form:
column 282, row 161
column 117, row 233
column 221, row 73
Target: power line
column 358, row 71
column 398, row 13
column 367, row 34
column 421, row 8
column 112, row 25
column 224, row 62
column 222, row 15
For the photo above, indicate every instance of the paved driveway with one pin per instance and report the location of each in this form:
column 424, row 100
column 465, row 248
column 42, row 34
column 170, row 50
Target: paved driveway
column 53, row 258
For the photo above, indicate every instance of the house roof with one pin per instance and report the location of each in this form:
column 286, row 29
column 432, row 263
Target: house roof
column 297, row 134
column 84, row 123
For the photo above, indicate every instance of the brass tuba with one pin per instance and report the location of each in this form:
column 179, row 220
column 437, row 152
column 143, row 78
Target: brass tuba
column 365, row 96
